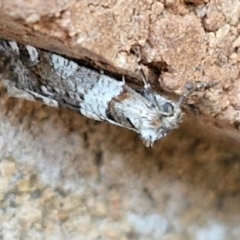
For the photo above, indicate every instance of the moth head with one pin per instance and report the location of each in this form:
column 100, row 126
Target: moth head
column 166, row 117
column 173, row 116
column 169, row 114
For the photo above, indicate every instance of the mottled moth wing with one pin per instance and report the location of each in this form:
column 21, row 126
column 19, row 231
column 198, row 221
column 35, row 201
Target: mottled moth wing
column 39, row 75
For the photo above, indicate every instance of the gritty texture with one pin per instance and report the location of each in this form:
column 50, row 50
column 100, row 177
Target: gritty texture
column 67, row 177
column 192, row 41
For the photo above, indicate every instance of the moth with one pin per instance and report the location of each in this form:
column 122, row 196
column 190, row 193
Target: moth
column 38, row 75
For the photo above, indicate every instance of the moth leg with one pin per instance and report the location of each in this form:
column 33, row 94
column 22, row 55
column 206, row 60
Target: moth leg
column 139, row 67
column 148, row 91
column 123, row 80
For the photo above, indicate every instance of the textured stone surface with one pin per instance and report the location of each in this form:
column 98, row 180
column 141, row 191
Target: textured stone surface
column 67, row 177
column 63, row 176
column 196, row 42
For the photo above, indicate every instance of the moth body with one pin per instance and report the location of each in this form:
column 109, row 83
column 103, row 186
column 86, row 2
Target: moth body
column 38, row 75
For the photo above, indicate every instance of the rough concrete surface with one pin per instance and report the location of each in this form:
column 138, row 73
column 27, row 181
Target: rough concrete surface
column 63, row 176
column 192, row 41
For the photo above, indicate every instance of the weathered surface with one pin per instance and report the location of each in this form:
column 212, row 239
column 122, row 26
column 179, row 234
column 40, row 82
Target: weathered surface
column 67, row 177
column 197, row 42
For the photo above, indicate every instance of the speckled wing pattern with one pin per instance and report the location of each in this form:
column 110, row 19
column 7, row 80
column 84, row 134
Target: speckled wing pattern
column 38, row 75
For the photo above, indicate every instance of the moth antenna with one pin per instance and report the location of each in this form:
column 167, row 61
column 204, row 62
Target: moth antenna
column 183, row 97
column 190, row 89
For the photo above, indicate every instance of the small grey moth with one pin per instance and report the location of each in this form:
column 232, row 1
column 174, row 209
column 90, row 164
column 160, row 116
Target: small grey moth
column 39, row 75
